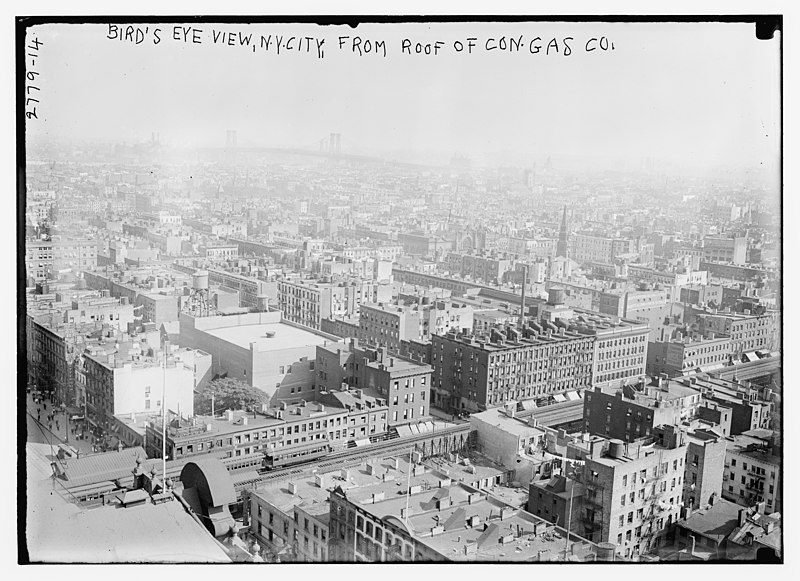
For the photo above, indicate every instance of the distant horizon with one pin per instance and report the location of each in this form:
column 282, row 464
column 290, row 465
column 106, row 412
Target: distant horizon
column 700, row 94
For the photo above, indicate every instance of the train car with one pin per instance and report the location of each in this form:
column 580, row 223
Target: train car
column 281, row 458
column 234, row 463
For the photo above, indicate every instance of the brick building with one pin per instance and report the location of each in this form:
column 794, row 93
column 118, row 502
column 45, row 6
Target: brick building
column 403, row 384
column 629, row 412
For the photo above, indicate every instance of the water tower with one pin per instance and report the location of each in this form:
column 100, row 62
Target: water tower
column 198, row 302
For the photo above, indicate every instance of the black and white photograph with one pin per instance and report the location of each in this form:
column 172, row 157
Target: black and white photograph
column 400, row 289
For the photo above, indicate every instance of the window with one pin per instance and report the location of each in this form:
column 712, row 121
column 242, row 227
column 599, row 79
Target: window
column 733, row 462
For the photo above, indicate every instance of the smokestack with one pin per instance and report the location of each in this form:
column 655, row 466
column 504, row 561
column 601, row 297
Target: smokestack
column 522, row 306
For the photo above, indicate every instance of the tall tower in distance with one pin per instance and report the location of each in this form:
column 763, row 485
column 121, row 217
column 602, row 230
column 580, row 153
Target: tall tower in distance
column 562, row 248
column 230, row 138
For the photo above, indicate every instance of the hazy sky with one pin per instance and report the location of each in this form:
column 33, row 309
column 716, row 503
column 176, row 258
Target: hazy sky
column 703, row 92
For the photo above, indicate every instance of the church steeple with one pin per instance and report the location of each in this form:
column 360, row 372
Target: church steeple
column 561, row 249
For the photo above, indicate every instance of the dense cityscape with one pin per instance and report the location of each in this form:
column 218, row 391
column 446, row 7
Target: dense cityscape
column 524, row 364
column 339, row 331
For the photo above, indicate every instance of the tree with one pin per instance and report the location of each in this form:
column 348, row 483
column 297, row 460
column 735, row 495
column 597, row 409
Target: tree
column 229, row 393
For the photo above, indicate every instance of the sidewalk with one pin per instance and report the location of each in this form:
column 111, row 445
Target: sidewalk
column 44, row 434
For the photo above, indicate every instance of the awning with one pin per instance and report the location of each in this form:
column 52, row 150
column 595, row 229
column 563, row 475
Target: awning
column 360, row 443
column 572, row 396
column 751, row 356
column 559, row 397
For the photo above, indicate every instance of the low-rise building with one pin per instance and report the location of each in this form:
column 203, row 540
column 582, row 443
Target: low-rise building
column 438, row 519
column 727, row 531
column 272, row 437
column 684, row 355
column 747, row 332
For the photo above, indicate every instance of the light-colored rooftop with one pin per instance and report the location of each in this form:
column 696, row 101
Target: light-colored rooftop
column 162, row 533
column 714, row 522
column 498, row 418
column 285, row 336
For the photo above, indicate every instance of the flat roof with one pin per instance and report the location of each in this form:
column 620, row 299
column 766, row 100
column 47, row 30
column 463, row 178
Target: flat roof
column 285, row 336
column 149, row 533
column 517, row 426
column 715, row 522
column 526, row 536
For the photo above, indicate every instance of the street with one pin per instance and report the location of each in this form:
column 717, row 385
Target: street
column 53, row 431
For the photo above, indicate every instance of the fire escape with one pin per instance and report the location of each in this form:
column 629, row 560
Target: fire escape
column 593, row 507
column 654, row 509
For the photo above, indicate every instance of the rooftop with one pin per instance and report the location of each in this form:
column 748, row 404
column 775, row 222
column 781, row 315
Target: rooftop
column 498, row 417
column 221, row 425
column 160, row 533
column 517, row 536
column 714, row 522
column 268, row 336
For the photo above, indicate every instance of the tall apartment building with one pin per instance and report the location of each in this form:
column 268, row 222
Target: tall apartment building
column 388, row 325
column 308, row 302
column 404, row 384
column 753, row 471
column 632, row 494
column 474, row 373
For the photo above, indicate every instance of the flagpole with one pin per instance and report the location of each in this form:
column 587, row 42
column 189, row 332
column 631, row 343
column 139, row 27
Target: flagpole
column 164, row 415
column 408, row 488
column 569, row 518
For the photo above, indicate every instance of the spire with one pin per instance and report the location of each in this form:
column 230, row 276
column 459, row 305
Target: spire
column 561, row 249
